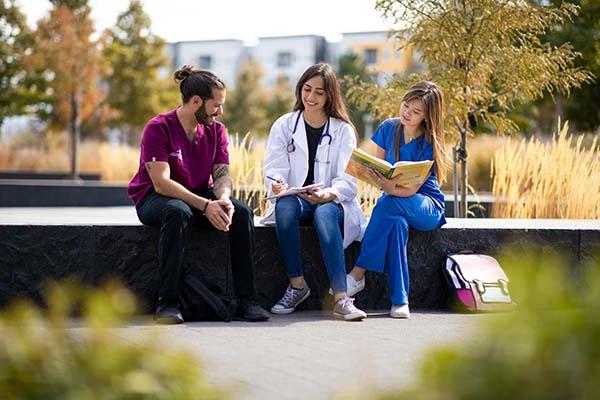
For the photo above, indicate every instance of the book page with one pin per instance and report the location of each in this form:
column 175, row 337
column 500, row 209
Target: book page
column 412, row 171
column 295, row 190
column 374, row 162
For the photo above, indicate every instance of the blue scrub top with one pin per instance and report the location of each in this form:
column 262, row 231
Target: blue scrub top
column 417, row 150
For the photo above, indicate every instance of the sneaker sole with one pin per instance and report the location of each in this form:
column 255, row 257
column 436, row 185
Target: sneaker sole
column 168, row 321
column 400, row 316
column 283, row 311
column 349, row 317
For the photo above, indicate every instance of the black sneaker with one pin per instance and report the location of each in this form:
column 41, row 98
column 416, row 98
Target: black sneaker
column 168, row 313
column 252, row 312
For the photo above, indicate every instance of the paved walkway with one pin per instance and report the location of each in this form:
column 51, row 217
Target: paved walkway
column 308, row 355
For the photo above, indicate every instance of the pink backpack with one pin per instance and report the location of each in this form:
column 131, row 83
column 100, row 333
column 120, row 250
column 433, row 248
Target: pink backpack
column 477, row 282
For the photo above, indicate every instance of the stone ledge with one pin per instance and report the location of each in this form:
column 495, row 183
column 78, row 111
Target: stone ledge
column 79, row 245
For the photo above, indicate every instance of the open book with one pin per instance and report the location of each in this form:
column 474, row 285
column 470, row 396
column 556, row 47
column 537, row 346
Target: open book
column 412, row 171
column 295, row 190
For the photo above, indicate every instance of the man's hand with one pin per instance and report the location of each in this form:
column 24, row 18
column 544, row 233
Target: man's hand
column 219, row 213
column 228, row 207
column 317, row 196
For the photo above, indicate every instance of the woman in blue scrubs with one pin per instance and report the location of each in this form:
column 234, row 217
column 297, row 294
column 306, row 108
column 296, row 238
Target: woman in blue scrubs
column 417, row 134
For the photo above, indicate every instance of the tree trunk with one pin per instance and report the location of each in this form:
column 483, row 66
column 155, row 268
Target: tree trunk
column 558, row 112
column 459, row 157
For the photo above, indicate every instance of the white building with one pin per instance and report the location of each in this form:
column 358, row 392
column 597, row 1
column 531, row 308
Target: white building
column 288, row 56
column 223, row 57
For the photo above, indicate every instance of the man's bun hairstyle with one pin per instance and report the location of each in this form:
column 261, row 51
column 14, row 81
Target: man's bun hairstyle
column 196, row 82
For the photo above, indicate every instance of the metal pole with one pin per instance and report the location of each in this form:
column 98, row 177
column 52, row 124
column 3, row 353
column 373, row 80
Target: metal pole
column 455, row 180
column 463, row 176
column 75, row 134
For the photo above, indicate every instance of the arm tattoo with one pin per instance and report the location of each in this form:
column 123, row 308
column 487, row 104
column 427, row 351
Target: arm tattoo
column 222, row 180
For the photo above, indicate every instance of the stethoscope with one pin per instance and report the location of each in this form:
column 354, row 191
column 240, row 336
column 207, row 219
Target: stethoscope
column 291, row 147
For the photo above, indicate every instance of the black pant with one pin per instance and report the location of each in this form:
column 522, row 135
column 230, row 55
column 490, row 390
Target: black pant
column 174, row 217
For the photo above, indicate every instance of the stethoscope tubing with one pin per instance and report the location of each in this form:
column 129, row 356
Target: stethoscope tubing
column 291, row 147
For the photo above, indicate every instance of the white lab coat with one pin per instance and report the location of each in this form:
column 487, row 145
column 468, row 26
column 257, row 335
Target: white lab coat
column 292, row 168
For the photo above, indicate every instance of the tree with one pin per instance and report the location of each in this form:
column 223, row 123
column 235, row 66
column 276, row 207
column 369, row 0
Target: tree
column 280, row 99
column 19, row 88
column 70, row 60
column 243, row 110
column 487, row 55
column 134, row 58
column 350, row 65
column 583, row 32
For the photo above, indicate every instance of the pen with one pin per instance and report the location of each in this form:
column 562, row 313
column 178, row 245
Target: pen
column 275, row 180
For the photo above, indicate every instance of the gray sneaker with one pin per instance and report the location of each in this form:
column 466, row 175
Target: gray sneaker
column 290, row 300
column 345, row 309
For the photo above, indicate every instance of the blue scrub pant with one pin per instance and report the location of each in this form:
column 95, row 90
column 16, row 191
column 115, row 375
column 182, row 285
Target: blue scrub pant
column 328, row 218
column 384, row 244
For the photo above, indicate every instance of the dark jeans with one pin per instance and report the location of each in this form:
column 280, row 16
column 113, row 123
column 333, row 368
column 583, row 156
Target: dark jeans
column 174, row 217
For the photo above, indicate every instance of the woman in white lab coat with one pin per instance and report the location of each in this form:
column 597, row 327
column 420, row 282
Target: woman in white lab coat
column 310, row 145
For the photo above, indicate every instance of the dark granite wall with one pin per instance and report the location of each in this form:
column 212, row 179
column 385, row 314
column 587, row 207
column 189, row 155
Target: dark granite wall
column 31, row 254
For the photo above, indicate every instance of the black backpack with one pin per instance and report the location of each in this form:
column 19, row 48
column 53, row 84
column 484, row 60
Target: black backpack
column 203, row 300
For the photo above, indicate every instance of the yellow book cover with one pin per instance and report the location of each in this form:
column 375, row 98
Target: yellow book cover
column 412, row 171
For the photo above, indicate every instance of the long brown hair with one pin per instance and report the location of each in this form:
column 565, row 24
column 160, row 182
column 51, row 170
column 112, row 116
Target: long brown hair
column 334, row 106
column 432, row 125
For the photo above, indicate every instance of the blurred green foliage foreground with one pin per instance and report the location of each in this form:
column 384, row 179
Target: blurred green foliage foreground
column 548, row 349
column 43, row 356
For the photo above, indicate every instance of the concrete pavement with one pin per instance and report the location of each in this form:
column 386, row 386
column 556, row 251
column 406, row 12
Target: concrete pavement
column 309, row 355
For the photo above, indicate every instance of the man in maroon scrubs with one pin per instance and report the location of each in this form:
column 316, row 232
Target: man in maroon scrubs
column 183, row 179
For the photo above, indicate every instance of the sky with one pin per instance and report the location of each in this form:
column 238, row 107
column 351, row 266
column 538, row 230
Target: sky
column 180, row 20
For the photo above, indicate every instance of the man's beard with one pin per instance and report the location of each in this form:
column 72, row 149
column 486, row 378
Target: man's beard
column 202, row 116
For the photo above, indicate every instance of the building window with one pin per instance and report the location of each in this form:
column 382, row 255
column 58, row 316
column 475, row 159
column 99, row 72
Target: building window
column 284, row 59
column 205, row 62
column 370, row 56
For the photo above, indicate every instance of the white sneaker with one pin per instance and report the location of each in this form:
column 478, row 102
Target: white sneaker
column 400, row 311
column 352, row 286
column 345, row 309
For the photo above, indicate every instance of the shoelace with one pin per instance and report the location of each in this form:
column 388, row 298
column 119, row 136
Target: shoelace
column 288, row 296
column 348, row 302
